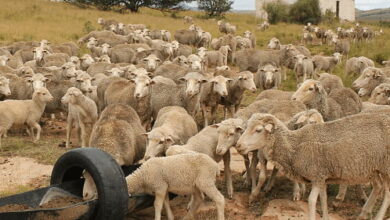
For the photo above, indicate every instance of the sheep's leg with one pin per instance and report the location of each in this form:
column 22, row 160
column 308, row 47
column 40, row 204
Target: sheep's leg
column 271, row 180
column 228, row 174
column 158, row 202
column 83, row 134
column 369, row 205
column 247, row 163
column 252, row 170
column 213, row 113
column 69, row 127
column 340, row 196
column 168, row 209
column 204, row 114
column 362, row 193
column 262, row 177
column 313, row 201
column 324, row 203
column 196, row 201
column 386, row 201
column 297, row 192
column 38, row 127
column 213, row 193
column 224, row 112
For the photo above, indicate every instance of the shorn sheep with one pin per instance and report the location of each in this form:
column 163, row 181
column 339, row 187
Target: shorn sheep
column 183, row 174
column 315, row 154
column 24, row 112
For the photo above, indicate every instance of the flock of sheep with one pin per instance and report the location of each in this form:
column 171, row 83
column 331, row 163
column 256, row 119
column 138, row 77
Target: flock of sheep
column 136, row 96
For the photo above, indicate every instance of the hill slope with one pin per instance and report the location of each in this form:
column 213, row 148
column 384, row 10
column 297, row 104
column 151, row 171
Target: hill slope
column 375, row 14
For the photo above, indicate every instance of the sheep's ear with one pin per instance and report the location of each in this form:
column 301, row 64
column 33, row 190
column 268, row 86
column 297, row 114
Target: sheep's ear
column 93, row 79
column 203, row 80
column 377, row 74
column 239, row 129
column 46, row 80
column 182, row 79
column 152, row 82
column 144, row 134
column 301, row 119
column 150, row 74
column 229, row 79
column 269, row 128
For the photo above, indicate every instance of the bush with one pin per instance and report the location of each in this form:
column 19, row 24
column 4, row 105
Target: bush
column 304, row 11
column 277, row 12
column 380, row 57
column 329, row 17
column 88, row 27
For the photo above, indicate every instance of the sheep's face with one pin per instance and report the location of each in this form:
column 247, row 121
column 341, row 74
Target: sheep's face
column 195, row 62
column 38, row 80
column 274, row 43
column 194, row 83
column 75, row 60
column 258, row 134
column 367, row 81
column 92, row 42
column 182, row 61
column 71, row 96
column 69, row 70
column 247, row 34
column 381, row 94
column 308, row 91
column 245, row 81
column 89, row 188
column 220, row 85
column 4, row 86
column 84, row 81
column 44, row 43
column 39, row 53
column 225, row 49
column 158, row 143
column 25, row 71
column 105, row 48
column 43, row 95
column 104, row 59
column 115, row 72
column 269, row 71
column 222, row 68
column 3, row 60
column 143, row 85
column 229, row 131
column 151, row 62
column 86, row 60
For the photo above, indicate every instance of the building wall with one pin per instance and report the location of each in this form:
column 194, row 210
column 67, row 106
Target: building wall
column 347, row 8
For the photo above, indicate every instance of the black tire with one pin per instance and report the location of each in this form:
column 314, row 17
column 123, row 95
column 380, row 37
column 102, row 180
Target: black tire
column 108, row 176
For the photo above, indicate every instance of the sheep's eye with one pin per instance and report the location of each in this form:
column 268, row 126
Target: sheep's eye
column 161, row 142
column 259, row 130
column 43, row 93
column 1, row 84
column 231, row 134
column 147, row 84
column 311, row 89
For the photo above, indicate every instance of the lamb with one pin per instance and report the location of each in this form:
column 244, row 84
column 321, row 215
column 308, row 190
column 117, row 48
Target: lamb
column 339, row 103
column 205, row 142
column 343, row 47
column 249, row 35
column 307, row 38
column 263, row 26
column 326, row 63
column 268, row 77
column 302, row 154
column 304, row 67
column 355, row 65
column 119, row 133
column 369, row 79
column 381, row 94
column 173, row 125
column 212, row 91
column 330, row 82
column 188, row 20
column 241, row 82
column 274, row 95
column 229, row 40
column 182, row 174
column 187, row 95
column 82, row 112
column 21, row 112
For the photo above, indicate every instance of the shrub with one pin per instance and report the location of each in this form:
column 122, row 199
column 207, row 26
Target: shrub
column 304, row 11
column 277, row 12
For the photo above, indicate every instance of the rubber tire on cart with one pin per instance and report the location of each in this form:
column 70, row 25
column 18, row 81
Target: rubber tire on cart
column 108, row 176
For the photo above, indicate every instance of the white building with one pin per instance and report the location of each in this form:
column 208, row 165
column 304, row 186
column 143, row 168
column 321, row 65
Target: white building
column 344, row 9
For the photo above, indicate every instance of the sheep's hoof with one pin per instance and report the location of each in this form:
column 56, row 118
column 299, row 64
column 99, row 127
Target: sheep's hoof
column 252, row 198
column 297, row 197
column 336, row 203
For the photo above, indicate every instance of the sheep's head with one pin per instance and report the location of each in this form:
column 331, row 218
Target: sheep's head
column 311, row 116
column 115, row 72
column 89, row 188
column 72, row 96
column 151, row 62
column 309, row 91
column 100, row 21
column 84, row 81
column 39, row 53
column 181, row 60
column 247, row 34
column 195, row 62
column 219, row 84
column 74, row 59
column 4, row 86
column 245, row 81
column 194, row 83
column 274, row 43
column 43, row 95
column 367, row 81
column 38, row 80
column 269, row 71
column 143, row 85
column 381, row 94
column 25, row 71
column 259, row 133
column 229, row 131
column 337, row 56
column 86, row 60
column 222, row 68
column 105, row 48
column 69, row 70
column 3, row 60
column 159, row 140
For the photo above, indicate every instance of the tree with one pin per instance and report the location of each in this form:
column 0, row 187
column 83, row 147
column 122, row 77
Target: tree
column 277, row 12
column 304, row 11
column 215, row 8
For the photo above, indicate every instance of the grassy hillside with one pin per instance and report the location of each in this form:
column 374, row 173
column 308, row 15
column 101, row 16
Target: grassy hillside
column 60, row 22
column 374, row 15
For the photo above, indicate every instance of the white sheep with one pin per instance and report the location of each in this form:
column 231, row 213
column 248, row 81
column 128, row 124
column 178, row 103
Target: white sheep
column 21, row 112
column 82, row 112
column 184, row 174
